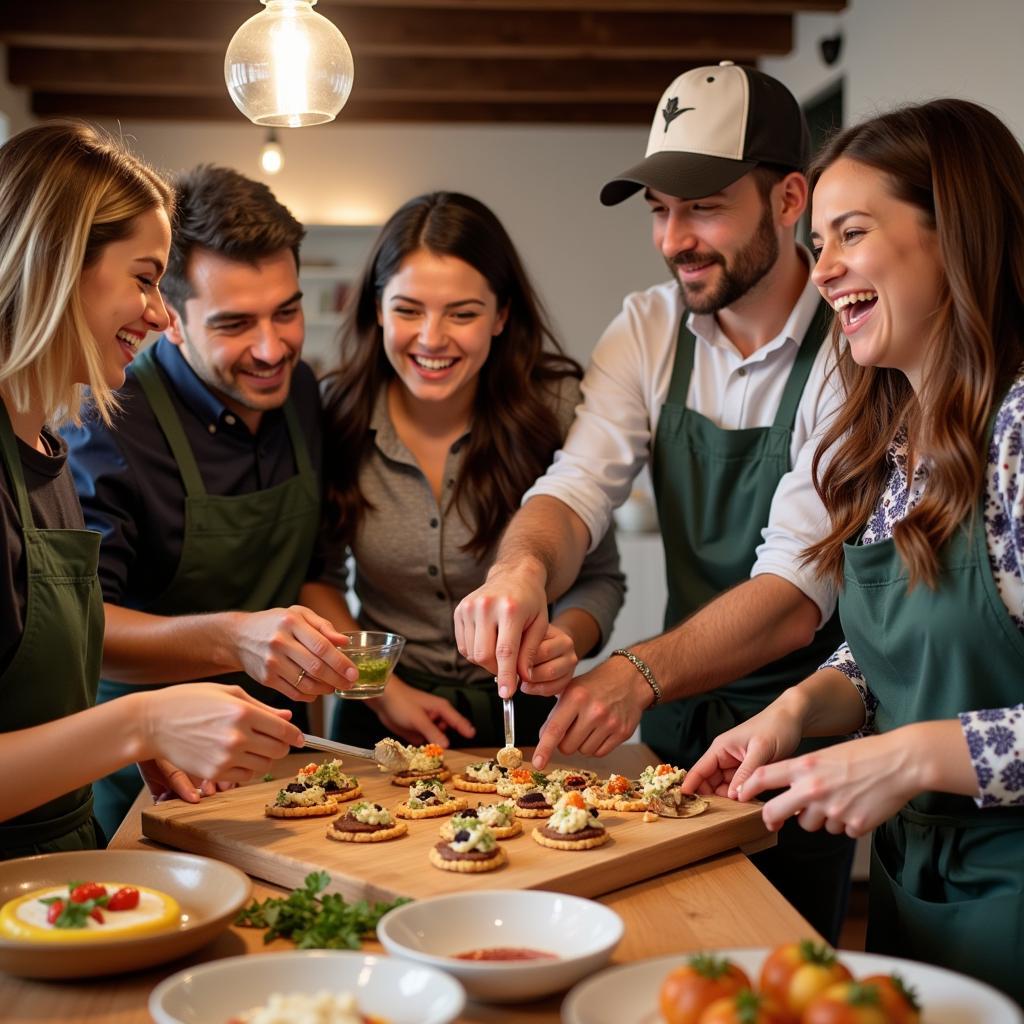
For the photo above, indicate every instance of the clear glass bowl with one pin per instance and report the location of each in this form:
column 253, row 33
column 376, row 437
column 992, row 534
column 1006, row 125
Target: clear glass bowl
column 375, row 655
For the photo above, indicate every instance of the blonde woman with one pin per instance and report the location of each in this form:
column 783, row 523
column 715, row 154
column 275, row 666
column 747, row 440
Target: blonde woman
column 84, row 236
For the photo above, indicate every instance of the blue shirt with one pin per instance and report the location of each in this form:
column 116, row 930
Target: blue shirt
column 130, row 487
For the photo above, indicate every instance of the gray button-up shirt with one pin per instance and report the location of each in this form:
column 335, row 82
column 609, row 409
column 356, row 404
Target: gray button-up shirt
column 410, row 569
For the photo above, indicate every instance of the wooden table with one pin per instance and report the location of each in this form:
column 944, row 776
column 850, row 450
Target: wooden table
column 720, row 902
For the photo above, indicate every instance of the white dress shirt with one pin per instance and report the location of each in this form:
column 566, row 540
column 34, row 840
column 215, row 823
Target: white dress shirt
column 626, row 385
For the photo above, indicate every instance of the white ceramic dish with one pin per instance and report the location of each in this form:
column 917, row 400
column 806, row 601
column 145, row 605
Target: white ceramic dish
column 629, row 994
column 398, row 991
column 209, row 893
column 581, row 932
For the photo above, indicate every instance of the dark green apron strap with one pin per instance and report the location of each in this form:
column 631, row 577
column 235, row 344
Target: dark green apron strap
column 303, row 463
column 151, row 379
column 12, row 460
column 785, row 415
column 682, row 366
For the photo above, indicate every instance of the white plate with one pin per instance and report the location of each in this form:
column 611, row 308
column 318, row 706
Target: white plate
column 629, row 994
column 400, row 992
column 210, row 895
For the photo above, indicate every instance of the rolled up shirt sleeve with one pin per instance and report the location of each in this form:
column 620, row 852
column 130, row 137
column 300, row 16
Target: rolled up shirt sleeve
column 843, row 661
column 995, row 740
column 610, row 440
column 797, row 517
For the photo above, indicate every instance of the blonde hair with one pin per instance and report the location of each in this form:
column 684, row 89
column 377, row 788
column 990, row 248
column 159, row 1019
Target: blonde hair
column 66, row 192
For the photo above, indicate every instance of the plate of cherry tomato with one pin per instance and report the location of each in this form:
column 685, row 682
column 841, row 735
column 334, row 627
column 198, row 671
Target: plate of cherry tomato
column 799, row 983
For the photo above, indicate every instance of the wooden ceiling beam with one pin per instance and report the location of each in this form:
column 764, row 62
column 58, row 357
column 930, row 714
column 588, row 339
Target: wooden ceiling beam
column 377, row 78
column 209, row 108
column 407, row 31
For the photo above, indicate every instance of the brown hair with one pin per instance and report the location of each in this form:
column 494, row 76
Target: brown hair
column 964, row 171
column 224, row 212
column 515, row 429
column 66, row 193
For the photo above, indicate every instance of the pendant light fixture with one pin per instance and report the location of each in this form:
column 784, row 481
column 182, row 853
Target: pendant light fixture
column 288, row 66
column 271, row 154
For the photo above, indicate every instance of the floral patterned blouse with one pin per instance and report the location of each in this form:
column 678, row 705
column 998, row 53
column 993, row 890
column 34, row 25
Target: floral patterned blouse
column 995, row 737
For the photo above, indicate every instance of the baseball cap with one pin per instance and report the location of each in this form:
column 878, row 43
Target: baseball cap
column 712, row 126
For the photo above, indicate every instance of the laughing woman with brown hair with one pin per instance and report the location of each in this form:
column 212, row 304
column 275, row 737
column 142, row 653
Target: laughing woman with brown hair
column 919, row 220
column 454, row 395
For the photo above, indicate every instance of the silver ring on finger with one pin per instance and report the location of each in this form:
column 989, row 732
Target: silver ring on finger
column 302, row 675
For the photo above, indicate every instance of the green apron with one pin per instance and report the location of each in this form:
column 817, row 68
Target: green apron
column 714, row 489
column 947, row 878
column 243, row 552
column 55, row 668
column 356, row 723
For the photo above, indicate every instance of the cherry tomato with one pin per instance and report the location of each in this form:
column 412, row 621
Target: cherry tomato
column 744, row 1007
column 899, row 1001
column 53, row 911
column 88, row 891
column 690, row 989
column 126, row 898
column 846, row 1003
column 795, row 973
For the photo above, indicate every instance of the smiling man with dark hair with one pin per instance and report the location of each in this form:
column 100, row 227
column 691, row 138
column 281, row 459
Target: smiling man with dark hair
column 206, row 489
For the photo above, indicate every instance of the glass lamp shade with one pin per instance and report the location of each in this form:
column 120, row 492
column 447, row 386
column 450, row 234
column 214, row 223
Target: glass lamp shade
column 288, row 66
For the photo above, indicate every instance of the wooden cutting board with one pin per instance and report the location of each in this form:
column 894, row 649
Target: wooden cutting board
column 231, row 827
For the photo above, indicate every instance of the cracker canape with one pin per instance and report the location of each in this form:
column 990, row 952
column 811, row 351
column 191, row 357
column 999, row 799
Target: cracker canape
column 337, row 784
column 616, row 794
column 425, row 762
column 429, row 799
column 499, row 818
column 518, row 781
column 572, row 778
column 301, row 800
column 366, row 823
column 539, row 802
column 473, row 849
column 663, row 795
column 572, row 826
column 481, row 777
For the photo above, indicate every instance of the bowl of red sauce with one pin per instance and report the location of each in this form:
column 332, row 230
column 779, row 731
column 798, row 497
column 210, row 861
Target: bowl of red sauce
column 505, row 945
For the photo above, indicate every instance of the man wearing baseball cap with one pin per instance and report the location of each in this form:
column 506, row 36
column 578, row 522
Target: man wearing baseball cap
column 718, row 381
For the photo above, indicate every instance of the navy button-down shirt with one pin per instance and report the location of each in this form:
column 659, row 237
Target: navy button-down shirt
column 130, row 487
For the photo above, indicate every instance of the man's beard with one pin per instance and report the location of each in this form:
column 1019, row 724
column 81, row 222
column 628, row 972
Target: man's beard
column 747, row 268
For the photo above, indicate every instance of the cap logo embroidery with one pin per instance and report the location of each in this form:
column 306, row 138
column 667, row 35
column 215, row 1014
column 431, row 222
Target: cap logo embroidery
column 673, row 110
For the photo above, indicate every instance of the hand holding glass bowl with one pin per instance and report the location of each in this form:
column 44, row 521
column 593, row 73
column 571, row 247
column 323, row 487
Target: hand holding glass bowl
column 375, row 654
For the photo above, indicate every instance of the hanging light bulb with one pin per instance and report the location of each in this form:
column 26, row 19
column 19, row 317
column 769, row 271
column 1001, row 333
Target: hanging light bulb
column 271, row 155
column 288, row 66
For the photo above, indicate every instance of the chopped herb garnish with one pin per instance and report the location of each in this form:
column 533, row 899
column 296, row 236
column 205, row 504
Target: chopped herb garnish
column 315, row 921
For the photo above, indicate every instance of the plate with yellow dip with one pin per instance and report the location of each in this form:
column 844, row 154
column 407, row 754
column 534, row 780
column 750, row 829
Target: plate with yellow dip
column 90, row 913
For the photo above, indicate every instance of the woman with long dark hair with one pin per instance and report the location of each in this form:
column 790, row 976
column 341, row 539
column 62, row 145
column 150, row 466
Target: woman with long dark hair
column 451, row 398
column 919, row 220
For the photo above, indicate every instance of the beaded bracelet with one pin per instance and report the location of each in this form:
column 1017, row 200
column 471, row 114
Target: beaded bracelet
column 643, row 668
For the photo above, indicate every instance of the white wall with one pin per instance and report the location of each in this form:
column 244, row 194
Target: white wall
column 899, row 51
column 541, row 181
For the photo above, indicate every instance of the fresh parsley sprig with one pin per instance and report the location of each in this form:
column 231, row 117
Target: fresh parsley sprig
column 315, row 921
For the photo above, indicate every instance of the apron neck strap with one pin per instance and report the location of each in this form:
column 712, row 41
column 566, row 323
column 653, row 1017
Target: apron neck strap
column 785, row 416
column 12, row 462
column 155, row 387
column 150, row 377
column 798, row 375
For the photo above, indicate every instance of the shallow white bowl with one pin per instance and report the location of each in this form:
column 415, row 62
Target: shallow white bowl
column 581, row 932
column 401, row 992
column 210, row 895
